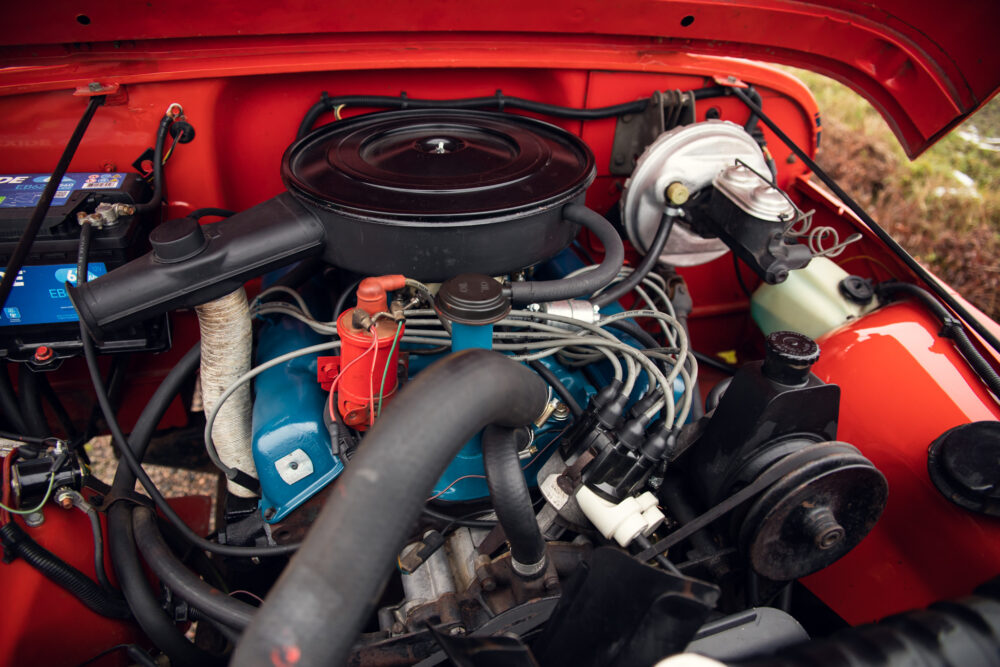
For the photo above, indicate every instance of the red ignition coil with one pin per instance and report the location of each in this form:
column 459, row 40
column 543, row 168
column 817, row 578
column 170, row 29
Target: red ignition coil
column 359, row 387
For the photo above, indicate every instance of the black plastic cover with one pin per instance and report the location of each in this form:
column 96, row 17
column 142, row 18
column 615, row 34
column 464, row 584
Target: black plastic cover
column 964, row 464
column 437, row 166
column 265, row 237
column 433, row 194
column 472, row 298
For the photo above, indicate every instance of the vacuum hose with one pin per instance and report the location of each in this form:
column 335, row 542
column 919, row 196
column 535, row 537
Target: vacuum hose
column 318, row 606
column 135, row 585
column 584, row 284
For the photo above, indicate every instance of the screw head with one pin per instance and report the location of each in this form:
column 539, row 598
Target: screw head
column 34, row 519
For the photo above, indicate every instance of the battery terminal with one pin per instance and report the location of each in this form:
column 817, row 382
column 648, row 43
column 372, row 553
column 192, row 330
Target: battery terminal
column 106, row 214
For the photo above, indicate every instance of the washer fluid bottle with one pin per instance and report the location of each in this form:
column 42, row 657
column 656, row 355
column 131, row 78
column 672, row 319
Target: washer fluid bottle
column 814, row 300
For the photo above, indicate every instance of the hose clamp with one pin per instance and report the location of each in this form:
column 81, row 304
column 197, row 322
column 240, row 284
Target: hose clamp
column 529, row 570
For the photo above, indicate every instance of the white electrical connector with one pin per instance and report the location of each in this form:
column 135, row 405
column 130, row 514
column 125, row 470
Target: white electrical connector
column 623, row 521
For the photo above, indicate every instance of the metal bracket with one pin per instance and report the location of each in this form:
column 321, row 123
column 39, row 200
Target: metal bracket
column 115, row 94
column 634, row 132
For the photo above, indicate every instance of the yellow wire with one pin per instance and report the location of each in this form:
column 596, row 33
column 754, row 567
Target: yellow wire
column 48, row 492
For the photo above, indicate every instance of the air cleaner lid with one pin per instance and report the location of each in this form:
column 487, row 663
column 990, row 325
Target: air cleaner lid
column 437, row 165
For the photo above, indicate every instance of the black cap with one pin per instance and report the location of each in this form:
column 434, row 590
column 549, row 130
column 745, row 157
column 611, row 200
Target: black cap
column 472, row 298
column 857, row 290
column 964, row 464
column 177, row 240
column 789, row 357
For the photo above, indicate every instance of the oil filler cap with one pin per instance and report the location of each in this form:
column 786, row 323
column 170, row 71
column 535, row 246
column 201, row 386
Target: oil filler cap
column 472, row 298
column 964, row 464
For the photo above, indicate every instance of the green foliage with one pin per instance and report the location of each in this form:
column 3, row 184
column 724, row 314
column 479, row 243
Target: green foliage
column 942, row 222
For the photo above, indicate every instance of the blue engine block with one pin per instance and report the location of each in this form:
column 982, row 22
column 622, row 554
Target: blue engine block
column 291, row 446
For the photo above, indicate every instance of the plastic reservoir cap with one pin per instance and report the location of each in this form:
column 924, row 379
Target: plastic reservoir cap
column 964, row 464
column 472, row 298
column 789, row 357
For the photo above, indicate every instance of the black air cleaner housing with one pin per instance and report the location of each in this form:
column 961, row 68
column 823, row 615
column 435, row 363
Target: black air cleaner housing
column 426, row 193
column 431, row 193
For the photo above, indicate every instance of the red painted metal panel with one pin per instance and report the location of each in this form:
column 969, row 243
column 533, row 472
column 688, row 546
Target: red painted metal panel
column 43, row 624
column 903, row 386
column 922, row 68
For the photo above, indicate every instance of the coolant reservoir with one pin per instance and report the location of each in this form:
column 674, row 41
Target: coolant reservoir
column 810, row 301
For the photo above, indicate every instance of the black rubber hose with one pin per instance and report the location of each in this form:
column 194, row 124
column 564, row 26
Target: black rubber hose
column 498, row 101
column 954, row 633
column 557, row 385
column 23, row 247
column 141, row 599
column 8, row 402
column 450, row 520
column 62, row 416
column 161, row 140
column 97, row 531
column 120, row 443
column 319, row 605
column 717, row 364
column 953, row 329
column 181, row 580
column 584, row 284
column 642, row 270
column 511, row 498
column 29, row 392
column 19, row 544
column 345, row 295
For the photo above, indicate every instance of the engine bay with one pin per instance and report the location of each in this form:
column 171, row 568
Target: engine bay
column 531, row 367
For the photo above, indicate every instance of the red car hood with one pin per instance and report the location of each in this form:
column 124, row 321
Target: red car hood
column 925, row 66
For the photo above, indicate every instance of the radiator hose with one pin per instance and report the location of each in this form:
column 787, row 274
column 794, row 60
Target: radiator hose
column 317, row 608
column 511, row 498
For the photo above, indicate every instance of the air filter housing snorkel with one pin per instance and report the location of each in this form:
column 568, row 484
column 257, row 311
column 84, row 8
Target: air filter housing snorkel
column 426, row 193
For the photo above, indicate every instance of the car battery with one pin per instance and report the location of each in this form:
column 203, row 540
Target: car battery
column 38, row 323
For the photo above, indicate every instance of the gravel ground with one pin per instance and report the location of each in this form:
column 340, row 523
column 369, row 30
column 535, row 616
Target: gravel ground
column 172, row 482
